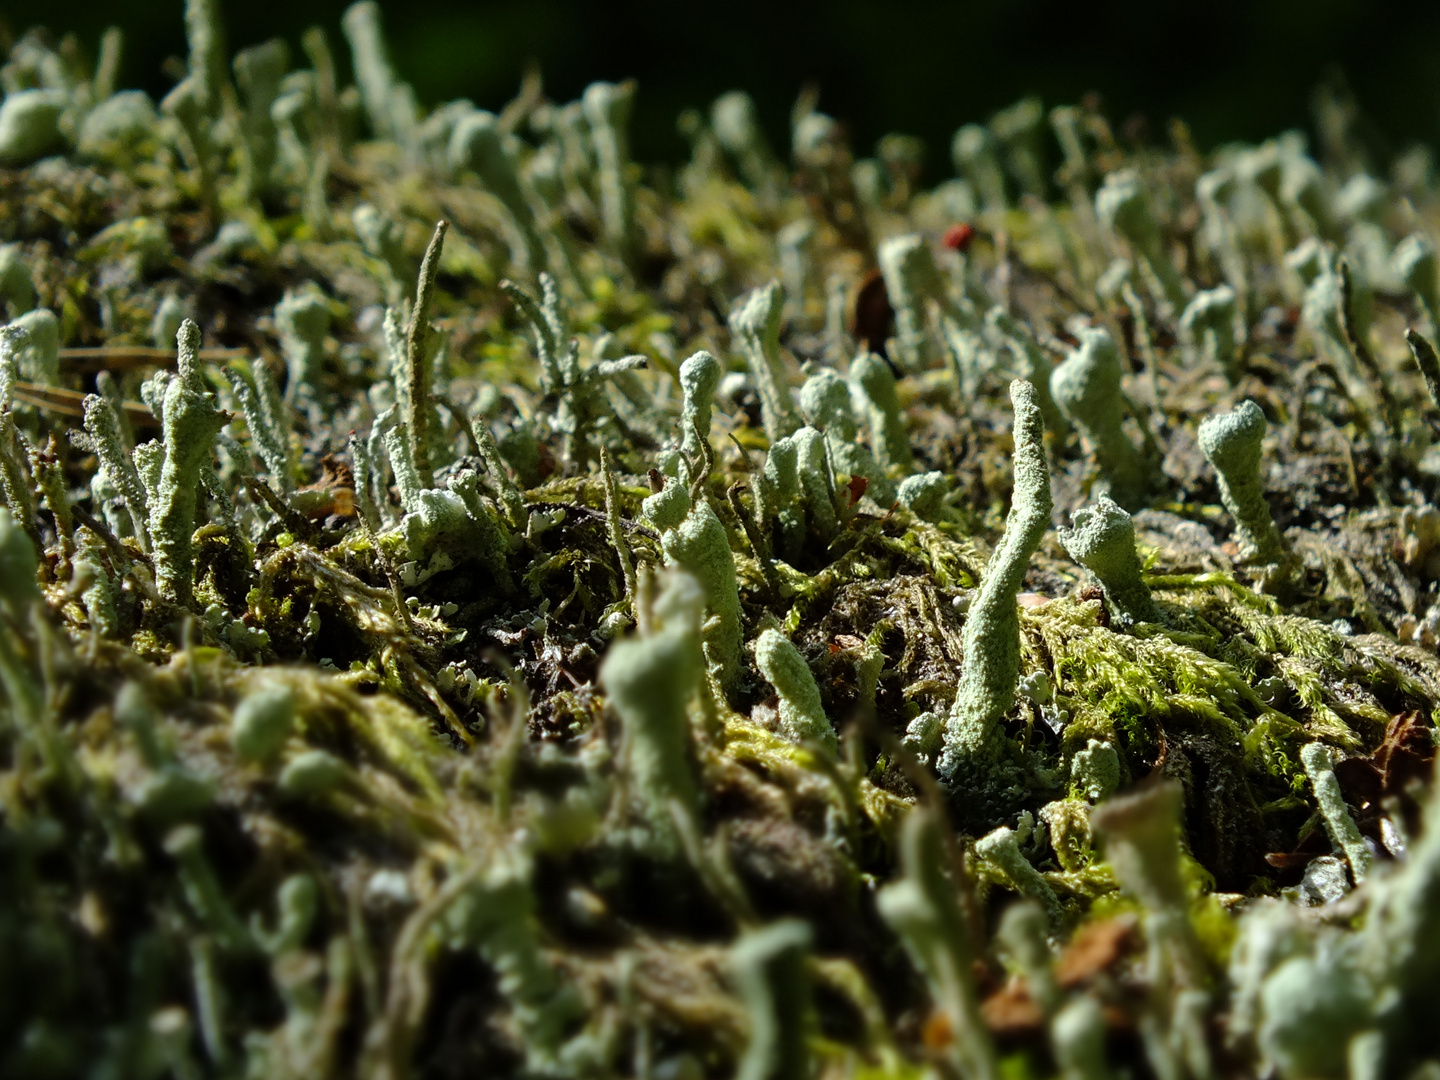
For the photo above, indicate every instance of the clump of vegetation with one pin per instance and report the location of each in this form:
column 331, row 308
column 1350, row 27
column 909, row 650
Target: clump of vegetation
column 472, row 604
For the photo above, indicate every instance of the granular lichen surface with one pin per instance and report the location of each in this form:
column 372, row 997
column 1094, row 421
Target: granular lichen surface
column 472, row 603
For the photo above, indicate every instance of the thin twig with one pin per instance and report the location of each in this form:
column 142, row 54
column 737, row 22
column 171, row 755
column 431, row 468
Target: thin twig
column 1147, row 347
column 89, row 358
column 1427, row 362
column 757, row 542
column 702, row 468
column 72, row 402
column 293, row 520
column 417, row 365
column 612, row 524
column 1362, row 352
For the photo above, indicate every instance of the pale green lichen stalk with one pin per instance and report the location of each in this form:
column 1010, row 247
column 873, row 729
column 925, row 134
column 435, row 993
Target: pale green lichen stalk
column 259, row 71
column 1077, row 1035
column 816, row 482
column 1313, row 1006
column 389, row 102
column 205, row 33
column 302, row 319
column 774, row 984
column 607, row 109
column 383, row 239
column 102, row 423
column 1415, row 266
column 1103, row 541
column 577, row 392
column 777, row 491
column 802, row 716
column 1141, row 834
column 268, row 440
column 1208, row 326
column 1427, row 361
column 912, row 282
column 737, row 130
column 1021, row 936
column 1232, row 442
column 826, row 404
column 699, row 377
column 262, row 723
column 1034, row 364
column 191, row 423
column 97, row 590
column 755, row 327
column 30, row 125
column 1321, row 317
column 922, row 909
column 35, row 338
column 1401, row 947
column 417, row 359
column 888, row 435
column 1095, row 771
column 1002, row 849
column 695, row 540
column 1088, row 390
column 1123, row 205
column 924, row 494
column 991, row 639
column 477, row 143
column 17, row 291
column 1019, row 129
column 973, row 152
column 1214, row 191
column 650, row 682
column 496, row 916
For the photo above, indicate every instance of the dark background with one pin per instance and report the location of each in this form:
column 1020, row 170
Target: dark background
column 1232, row 69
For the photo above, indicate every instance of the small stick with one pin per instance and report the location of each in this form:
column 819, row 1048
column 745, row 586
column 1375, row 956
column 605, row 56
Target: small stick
column 90, row 358
column 706, row 464
column 1147, row 347
column 417, row 368
column 757, row 542
column 612, row 523
column 72, row 402
column 510, row 497
column 1362, row 353
column 294, row 522
column 1426, row 361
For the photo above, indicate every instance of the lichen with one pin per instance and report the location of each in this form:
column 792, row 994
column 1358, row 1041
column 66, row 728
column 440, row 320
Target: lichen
column 562, row 625
column 991, row 643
